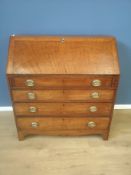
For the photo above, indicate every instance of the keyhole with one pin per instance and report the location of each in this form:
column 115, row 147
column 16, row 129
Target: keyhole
column 62, row 40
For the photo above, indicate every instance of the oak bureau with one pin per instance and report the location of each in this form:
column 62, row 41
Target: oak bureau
column 63, row 85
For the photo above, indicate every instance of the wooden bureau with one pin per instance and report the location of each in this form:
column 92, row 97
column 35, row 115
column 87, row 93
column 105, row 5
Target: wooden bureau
column 63, row 85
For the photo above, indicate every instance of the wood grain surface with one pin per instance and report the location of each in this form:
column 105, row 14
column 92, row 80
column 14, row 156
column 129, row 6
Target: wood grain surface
column 63, row 109
column 62, row 55
column 76, row 81
column 63, row 71
column 61, row 123
column 63, row 95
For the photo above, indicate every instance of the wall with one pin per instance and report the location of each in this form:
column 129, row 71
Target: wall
column 58, row 17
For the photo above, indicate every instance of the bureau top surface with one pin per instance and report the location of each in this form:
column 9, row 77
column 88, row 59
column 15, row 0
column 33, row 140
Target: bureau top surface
column 62, row 55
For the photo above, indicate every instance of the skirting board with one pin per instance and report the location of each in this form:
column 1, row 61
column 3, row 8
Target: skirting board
column 120, row 106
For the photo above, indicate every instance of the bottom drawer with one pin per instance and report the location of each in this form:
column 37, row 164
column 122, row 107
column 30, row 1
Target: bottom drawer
column 41, row 124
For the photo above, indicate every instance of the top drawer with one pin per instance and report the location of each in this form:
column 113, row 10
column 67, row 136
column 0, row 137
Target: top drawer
column 58, row 82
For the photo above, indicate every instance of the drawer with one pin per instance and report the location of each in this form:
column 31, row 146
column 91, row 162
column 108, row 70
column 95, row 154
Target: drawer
column 63, row 109
column 62, row 95
column 49, row 123
column 61, row 82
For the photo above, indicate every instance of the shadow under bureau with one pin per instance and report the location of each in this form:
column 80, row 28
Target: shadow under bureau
column 63, row 85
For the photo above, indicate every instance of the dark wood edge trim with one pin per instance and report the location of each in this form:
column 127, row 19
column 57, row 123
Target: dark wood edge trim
column 63, row 116
column 9, row 81
column 111, row 116
column 63, row 75
column 115, row 81
column 67, row 37
column 64, row 88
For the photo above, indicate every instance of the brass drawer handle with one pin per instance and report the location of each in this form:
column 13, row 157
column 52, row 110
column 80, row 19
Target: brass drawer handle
column 34, row 124
column 32, row 109
column 95, row 95
column 30, row 83
column 93, row 108
column 96, row 83
column 91, row 124
column 31, row 95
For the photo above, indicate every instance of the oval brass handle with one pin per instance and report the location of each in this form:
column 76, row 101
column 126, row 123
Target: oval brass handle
column 32, row 109
column 96, row 83
column 91, row 124
column 34, row 124
column 93, row 108
column 31, row 95
column 95, row 95
column 30, row 83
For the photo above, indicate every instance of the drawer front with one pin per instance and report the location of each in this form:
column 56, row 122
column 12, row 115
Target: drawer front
column 63, row 109
column 62, row 95
column 49, row 123
column 62, row 82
